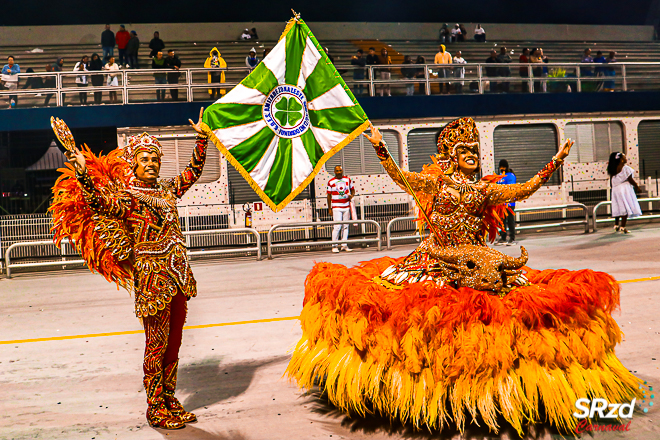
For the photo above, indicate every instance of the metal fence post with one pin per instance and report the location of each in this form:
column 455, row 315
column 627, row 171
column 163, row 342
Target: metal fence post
column 58, row 95
column 480, row 79
column 372, row 91
column 531, row 78
column 124, row 77
column 426, row 79
column 623, row 74
column 189, row 90
column 579, row 81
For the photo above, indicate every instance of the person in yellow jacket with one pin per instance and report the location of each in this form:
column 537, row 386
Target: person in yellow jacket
column 216, row 61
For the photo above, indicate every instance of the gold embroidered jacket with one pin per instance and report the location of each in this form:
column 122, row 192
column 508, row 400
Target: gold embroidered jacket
column 150, row 216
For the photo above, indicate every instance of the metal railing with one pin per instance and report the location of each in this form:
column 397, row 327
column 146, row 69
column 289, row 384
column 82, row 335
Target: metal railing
column 64, row 262
column 392, row 222
column 595, row 220
column 375, row 80
column 565, row 207
column 312, row 225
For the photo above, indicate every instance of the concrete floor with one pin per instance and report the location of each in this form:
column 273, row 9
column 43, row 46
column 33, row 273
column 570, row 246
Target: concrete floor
column 231, row 376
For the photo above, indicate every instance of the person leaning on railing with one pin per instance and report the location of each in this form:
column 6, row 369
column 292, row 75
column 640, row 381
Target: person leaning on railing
column 96, row 65
column 158, row 62
column 9, row 77
column 112, row 80
column 81, row 80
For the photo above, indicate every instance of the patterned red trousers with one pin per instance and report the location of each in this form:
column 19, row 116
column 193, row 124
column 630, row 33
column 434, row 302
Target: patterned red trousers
column 163, row 333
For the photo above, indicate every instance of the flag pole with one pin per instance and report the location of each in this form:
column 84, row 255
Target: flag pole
column 412, row 192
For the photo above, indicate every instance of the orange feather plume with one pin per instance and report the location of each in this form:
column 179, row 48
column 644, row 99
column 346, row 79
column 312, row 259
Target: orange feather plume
column 98, row 238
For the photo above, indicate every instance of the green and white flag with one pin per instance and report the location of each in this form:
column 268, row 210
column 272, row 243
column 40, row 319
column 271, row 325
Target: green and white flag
column 281, row 124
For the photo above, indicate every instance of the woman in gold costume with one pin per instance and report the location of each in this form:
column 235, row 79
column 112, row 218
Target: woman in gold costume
column 458, row 332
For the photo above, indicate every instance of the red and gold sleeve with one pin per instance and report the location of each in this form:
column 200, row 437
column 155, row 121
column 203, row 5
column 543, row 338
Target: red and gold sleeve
column 193, row 171
column 103, row 200
column 498, row 194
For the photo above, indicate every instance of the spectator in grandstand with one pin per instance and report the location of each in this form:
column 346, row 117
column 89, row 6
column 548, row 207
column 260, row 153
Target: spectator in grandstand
column 444, row 34
column 492, row 71
column 523, row 70
column 81, row 80
column 420, row 74
column 479, row 34
column 340, row 193
column 10, row 73
column 245, row 35
column 609, row 85
column 455, row 33
column 443, row 57
column 599, row 70
column 508, row 178
column 537, row 59
column 132, row 48
column 96, row 65
column 215, row 61
column 252, row 60
column 358, row 74
column 372, row 58
column 504, row 71
column 50, row 82
column 158, row 62
column 385, row 73
column 174, row 63
column 112, row 80
column 624, row 199
column 107, row 42
column 463, row 34
column 587, row 59
column 122, row 38
column 57, row 67
column 459, row 71
column 327, row 52
column 156, row 45
column 253, row 34
column 409, row 73
column 266, row 52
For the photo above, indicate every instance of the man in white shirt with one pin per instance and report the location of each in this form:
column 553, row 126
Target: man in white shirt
column 340, row 193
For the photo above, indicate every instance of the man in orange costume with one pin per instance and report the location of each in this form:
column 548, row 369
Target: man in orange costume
column 162, row 279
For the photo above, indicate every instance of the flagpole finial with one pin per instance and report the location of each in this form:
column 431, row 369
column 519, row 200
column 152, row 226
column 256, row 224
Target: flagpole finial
column 295, row 15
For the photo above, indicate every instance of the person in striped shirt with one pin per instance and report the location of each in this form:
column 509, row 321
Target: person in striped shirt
column 340, row 193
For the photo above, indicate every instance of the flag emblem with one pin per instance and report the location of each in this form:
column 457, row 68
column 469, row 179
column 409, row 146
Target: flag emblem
column 281, row 124
column 285, row 111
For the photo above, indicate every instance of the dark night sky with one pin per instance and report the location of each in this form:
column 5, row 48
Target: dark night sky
column 31, row 12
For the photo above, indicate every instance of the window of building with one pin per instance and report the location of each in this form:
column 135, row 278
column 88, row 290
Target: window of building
column 359, row 158
column 594, row 141
column 176, row 156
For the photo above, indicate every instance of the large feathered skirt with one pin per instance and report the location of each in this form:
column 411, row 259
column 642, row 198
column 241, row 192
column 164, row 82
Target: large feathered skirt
column 440, row 357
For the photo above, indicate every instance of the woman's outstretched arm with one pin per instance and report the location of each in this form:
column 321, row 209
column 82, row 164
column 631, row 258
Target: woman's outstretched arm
column 498, row 194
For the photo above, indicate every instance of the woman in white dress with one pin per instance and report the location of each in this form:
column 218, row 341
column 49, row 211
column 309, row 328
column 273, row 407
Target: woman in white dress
column 81, row 80
column 112, row 78
column 624, row 200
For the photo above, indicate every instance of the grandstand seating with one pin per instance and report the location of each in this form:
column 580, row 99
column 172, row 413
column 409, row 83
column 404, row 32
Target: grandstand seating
column 234, row 52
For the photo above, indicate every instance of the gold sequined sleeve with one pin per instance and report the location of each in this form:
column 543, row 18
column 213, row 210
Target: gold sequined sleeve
column 103, row 200
column 417, row 181
column 498, row 194
column 193, row 171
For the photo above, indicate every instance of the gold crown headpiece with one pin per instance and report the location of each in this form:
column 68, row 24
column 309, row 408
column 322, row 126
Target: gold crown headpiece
column 458, row 132
column 141, row 143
